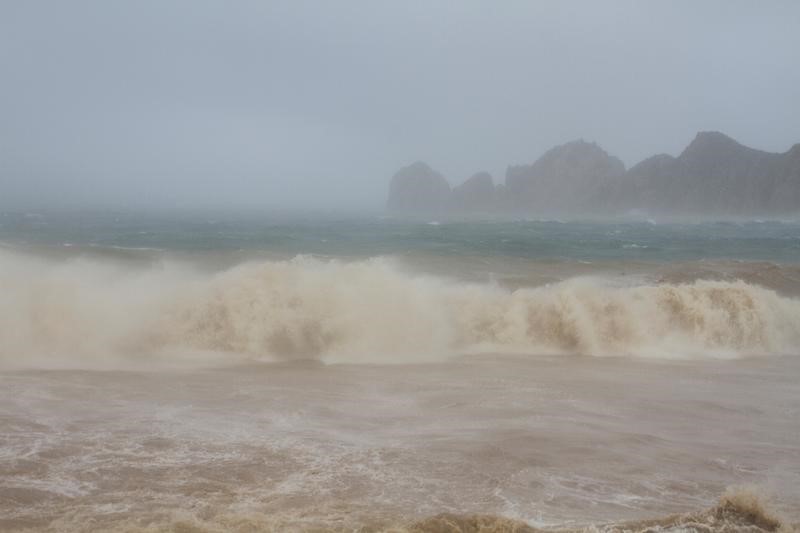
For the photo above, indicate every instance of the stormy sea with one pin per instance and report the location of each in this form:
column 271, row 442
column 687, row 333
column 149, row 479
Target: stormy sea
column 214, row 372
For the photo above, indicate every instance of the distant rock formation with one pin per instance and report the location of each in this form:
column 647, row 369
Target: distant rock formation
column 784, row 176
column 477, row 194
column 418, row 188
column 566, row 178
column 715, row 175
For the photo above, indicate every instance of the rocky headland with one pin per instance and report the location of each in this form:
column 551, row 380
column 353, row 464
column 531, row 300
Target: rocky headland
column 714, row 175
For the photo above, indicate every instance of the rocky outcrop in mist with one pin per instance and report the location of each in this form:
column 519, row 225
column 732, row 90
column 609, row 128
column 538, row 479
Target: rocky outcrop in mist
column 477, row 194
column 418, row 188
column 565, row 179
column 717, row 175
column 714, row 175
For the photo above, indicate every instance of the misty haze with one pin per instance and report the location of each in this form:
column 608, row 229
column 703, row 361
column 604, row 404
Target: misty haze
column 399, row 267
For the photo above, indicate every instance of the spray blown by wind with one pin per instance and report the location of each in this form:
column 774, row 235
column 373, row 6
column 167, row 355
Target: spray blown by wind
column 86, row 312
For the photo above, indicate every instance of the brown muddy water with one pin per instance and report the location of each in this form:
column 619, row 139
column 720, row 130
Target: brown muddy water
column 564, row 442
column 211, row 390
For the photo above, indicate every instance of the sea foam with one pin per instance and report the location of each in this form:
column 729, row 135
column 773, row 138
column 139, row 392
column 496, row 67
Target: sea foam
column 85, row 312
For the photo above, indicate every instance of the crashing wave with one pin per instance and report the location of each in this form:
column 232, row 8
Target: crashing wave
column 368, row 311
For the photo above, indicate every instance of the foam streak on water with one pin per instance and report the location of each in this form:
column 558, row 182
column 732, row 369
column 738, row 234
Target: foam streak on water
column 561, row 441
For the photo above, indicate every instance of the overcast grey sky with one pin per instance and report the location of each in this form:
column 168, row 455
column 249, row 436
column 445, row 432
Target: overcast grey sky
column 309, row 104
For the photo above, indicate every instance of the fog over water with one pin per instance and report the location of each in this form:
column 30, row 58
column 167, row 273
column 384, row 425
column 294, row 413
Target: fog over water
column 310, row 105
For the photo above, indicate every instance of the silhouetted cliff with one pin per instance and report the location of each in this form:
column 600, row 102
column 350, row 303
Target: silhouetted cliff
column 418, row 188
column 714, row 175
column 565, row 179
column 477, row 194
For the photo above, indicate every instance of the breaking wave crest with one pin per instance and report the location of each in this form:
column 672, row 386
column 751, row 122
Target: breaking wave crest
column 367, row 311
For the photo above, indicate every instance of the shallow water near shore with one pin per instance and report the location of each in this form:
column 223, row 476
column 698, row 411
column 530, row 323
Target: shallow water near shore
column 561, row 441
column 417, row 380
